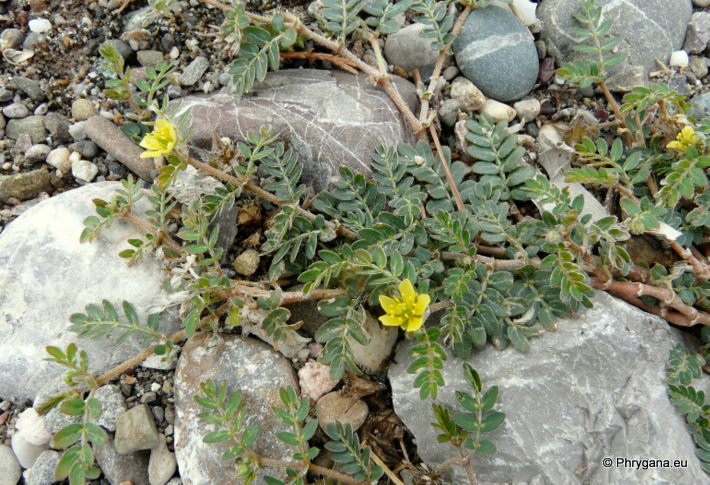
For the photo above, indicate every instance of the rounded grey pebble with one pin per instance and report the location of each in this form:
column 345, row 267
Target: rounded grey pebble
column 37, row 153
column 12, row 38
column 148, row 397
column 87, row 148
column 16, row 111
column 158, row 413
column 449, row 111
column 505, row 69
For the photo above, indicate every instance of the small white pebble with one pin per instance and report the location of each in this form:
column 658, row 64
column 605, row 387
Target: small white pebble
column 84, row 170
column 40, row 26
column 174, row 53
column 679, row 59
column 74, row 157
column 6, row 166
column 59, row 159
column 155, row 387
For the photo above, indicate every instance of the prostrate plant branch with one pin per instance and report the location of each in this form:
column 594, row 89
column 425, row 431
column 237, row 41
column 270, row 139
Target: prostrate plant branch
column 327, row 472
column 255, row 189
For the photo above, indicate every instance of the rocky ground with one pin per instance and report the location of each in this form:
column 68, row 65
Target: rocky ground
column 51, row 82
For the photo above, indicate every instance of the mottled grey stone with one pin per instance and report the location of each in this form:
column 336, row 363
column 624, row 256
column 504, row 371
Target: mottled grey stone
column 30, row 87
column 15, row 110
column 497, row 53
column 698, row 34
column 11, row 39
column 42, row 472
column 330, row 118
column 58, row 127
column 149, row 58
column 247, row 365
column 408, row 50
column 594, row 388
column 650, row 29
column 194, row 71
column 162, row 463
column 119, row 468
column 23, row 186
column 37, row 153
column 32, row 125
column 87, row 148
column 46, row 275
column 113, row 405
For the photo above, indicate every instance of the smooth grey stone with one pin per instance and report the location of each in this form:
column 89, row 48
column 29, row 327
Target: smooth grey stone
column 650, row 29
column 593, row 388
column 330, row 118
column 15, row 111
column 625, row 81
column 679, row 83
column 10, row 470
column 119, row 468
column 33, row 38
column 408, row 50
column 30, row 87
column 497, row 53
column 31, row 125
column 149, row 58
column 449, row 111
column 698, row 66
column 5, row 95
column 136, row 431
column 37, row 153
column 41, row 249
column 162, row 464
column 11, row 38
column 58, row 127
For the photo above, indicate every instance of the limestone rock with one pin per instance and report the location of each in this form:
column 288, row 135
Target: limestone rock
column 136, row 431
column 248, row 366
column 31, row 125
column 594, row 388
column 336, row 406
column 330, row 118
column 649, row 29
column 41, row 249
column 373, row 356
column 42, row 472
column 497, row 53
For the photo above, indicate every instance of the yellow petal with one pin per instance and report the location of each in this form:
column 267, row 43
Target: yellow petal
column 421, row 304
column 414, row 324
column 673, row 144
column 408, row 294
column 391, row 320
column 389, row 305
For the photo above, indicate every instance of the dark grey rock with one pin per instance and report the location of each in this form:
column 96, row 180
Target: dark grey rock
column 497, row 53
column 119, row 468
column 194, row 71
column 330, row 118
column 408, row 50
column 247, row 365
column 41, row 249
column 679, row 83
column 650, row 29
column 594, row 388
column 30, row 87
column 123, row 49
column 31, row 125
column 449, row 111
column 698, row 34
column 87, row 148
column 58, row 127
column 23, row 186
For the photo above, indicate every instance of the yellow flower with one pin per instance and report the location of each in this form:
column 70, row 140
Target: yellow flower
column 684, row 139
column 406, row 311
column 161, row 141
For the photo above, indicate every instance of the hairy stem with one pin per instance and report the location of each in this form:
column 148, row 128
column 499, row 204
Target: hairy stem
column 327, row 472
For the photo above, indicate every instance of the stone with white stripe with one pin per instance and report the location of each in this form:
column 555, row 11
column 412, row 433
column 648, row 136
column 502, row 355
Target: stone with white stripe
column 650, row 29
column 497, row 53
column 329, row 118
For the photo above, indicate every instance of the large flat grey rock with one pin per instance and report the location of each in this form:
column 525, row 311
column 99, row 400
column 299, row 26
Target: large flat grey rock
column 46, row 275
column 650, row 29
column 330, row 118
column 592, row 389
